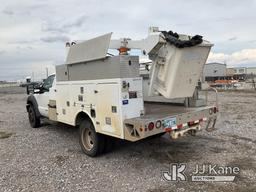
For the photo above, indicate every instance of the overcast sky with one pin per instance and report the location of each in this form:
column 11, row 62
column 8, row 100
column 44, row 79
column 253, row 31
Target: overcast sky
column 33, row 32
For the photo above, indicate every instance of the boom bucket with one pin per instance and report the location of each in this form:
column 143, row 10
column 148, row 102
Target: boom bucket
column 177, row 70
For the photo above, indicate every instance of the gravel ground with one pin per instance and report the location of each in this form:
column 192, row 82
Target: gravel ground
column 50, row 158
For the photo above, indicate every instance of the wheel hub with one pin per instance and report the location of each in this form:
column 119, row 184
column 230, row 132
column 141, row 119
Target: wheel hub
column 88, row 139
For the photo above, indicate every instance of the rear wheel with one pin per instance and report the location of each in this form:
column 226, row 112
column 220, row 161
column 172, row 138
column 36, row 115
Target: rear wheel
column 33, row 119
column 92, row 143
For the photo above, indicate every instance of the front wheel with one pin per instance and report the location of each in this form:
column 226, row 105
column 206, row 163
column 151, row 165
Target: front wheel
column 33, row 119
column 92, row 143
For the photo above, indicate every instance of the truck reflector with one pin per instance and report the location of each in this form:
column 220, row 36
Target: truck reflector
column 191, row 123
column 151, row 126
column 168, row 129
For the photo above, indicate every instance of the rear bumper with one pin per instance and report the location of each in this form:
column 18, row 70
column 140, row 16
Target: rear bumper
column 152, row 124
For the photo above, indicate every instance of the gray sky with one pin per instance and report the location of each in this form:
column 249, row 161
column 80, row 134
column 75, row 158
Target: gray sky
column 33, row 32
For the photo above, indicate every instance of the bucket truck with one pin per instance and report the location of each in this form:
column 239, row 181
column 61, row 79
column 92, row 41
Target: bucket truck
column 108, row 95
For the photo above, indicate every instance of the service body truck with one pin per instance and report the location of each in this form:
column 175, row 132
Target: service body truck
column 117, row 96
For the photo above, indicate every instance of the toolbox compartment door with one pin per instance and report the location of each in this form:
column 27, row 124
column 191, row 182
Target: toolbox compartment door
column 108, row 109
column 52, row 110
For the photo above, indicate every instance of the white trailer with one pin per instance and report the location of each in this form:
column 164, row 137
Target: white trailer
column 109, row 96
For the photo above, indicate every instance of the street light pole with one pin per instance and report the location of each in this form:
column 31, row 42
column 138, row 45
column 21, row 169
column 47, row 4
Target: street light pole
column 46, row 72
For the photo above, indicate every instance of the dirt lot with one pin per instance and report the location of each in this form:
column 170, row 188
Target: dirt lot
column 50, row 159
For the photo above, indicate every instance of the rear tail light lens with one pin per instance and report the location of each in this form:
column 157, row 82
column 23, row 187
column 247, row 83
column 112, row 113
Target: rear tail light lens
column 179, row 126
column 151, row 126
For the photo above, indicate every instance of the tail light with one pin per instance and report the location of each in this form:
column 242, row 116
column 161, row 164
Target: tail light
column 179, row 126
column 151, row 126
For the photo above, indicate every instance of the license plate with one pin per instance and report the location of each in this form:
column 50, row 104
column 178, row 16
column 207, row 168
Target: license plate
column 171, row 122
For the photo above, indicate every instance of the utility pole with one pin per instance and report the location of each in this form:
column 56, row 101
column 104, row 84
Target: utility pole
column 46, row 72
column 33, row 76
column 253, row 82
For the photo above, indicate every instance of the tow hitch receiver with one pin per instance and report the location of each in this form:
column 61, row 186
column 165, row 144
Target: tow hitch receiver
column 177, row 133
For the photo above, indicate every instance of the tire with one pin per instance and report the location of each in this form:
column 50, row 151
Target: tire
column 92, row 143
column 33, row 119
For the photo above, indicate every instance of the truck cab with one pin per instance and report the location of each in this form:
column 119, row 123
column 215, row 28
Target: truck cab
column 38, row 101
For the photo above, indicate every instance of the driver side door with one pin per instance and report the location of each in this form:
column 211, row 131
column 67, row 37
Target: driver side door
column 43, row 97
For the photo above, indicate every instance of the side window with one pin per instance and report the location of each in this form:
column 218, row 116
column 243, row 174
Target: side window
column 48, row 83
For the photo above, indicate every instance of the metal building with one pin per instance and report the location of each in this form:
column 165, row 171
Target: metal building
column 241, row 73
column 214, row 71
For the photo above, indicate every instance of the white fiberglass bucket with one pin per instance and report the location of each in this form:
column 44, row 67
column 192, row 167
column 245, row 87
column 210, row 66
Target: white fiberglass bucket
column 176, row 73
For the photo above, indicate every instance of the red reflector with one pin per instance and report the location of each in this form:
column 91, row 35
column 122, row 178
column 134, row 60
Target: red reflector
column 179, row 126
column 168, row 129
column 141, row 129
column 191, row 123
column 151, row 126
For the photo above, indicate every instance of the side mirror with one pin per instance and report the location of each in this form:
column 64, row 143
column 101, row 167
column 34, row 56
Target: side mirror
column 34, row 89
column 37, row 91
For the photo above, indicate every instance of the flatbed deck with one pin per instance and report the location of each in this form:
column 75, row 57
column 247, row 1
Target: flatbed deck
column 160, row 110
column 163, row 113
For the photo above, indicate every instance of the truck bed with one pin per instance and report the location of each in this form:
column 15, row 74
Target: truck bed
column 154, row 110
column 162, row 113
column 158, row 110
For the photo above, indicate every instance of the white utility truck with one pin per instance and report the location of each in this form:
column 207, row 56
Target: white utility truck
column 110, row 95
